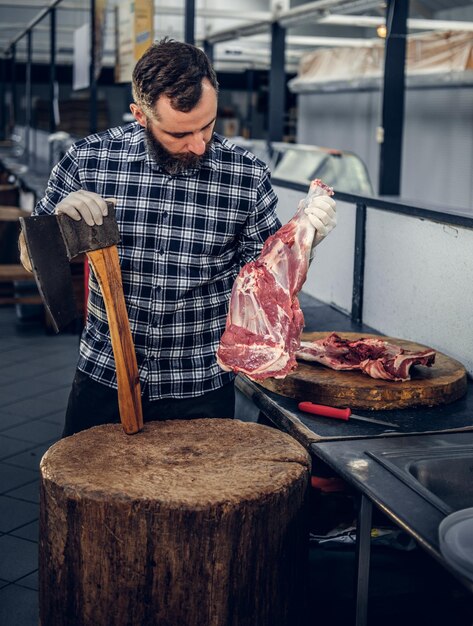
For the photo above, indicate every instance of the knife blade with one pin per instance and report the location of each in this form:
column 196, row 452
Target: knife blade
column 340, row 414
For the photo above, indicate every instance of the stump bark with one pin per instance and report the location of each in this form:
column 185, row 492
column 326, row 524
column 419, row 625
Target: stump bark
column 187, row 523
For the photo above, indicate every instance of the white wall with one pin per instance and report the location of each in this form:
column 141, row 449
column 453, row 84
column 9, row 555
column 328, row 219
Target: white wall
column 344, row 121
column 418, row 282
column 437, row 146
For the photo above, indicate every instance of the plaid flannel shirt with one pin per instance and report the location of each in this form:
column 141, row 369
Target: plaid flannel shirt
column 184, row 239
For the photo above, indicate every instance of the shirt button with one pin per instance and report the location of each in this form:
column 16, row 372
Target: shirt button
column 165, row 215
column 158, row 288
column 154, row 324
column 161, row 251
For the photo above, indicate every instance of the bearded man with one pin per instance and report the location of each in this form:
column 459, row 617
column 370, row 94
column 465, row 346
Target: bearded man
column 192, row 209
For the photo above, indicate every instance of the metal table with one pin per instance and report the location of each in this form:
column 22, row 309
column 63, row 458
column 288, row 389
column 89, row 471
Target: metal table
column 342, row 446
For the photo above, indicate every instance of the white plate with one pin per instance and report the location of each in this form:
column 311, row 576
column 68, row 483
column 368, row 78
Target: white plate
column 456, row 540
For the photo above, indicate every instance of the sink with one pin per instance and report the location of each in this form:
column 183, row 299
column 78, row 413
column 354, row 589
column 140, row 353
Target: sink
column 443, row 475
column 450, row 479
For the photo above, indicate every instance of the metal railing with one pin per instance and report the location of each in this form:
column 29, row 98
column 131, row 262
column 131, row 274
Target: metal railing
column 10, row 53
column 453, row 217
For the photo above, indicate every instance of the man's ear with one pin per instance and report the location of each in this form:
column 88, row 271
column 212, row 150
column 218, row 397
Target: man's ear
column 138, row 114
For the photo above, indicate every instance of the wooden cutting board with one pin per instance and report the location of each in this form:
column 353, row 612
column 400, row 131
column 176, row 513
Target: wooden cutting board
column 442, row 383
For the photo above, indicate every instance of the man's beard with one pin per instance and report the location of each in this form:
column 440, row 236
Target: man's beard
column 173, row 163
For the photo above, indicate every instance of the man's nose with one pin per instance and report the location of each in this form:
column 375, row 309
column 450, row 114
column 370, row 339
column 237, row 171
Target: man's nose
column 197, row 144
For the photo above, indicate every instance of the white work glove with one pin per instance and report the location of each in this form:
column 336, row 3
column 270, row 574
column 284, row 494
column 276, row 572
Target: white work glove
column 322, row 215
column 85, row 205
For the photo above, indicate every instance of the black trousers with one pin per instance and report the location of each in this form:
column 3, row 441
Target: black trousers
column 92, row 404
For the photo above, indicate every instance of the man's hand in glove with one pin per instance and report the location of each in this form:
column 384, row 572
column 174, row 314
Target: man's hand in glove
column 85, row 205
column 322, row 215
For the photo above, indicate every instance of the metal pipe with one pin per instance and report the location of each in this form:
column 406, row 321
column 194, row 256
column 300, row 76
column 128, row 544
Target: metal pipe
column 189, row 22
column 209, row 50
column 28, row 96
column 424, row 211
column 52, row 80
column 250, row 87
column 392, row 122
column 2, row 98
column 277, row 83
column 92, row 73
column 359, row 264
column 362, row 556
column 12, row 119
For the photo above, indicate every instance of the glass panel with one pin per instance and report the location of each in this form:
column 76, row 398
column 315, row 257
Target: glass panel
column 346, row 173
column 299, row 165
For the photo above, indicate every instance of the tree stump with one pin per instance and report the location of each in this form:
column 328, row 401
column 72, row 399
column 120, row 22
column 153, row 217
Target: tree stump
column 187, row 523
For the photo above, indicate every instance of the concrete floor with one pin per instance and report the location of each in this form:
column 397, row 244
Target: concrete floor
column 36, row 371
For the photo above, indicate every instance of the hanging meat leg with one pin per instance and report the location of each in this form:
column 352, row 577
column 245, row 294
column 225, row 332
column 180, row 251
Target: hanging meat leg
column 265, row 322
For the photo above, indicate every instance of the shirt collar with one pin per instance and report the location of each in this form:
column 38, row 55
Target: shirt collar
column 137, row 151
column 137, row 147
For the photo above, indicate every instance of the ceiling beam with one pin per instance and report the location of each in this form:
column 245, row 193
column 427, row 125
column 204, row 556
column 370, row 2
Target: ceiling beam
column 362, row 5
column 324, row 12
column 317, row 12
column 28, row 4
column 369, row 21
column 299, row 13
column 313, row 11
column 244, row 30
column 312, row 42
column 80, row 5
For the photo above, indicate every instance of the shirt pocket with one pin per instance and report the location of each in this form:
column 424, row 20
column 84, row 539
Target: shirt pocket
column 215, row 227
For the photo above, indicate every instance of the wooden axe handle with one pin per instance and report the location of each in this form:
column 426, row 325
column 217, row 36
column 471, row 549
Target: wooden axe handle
column 106, row 267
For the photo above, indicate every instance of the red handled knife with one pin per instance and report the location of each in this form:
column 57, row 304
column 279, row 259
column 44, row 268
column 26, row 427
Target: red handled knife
column 339, row 414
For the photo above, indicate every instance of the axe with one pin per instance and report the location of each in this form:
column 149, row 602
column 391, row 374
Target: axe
column 52, row 241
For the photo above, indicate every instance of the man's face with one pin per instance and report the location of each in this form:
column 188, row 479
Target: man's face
column 179, row 140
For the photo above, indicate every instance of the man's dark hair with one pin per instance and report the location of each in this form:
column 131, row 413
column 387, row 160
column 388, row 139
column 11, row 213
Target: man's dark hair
column 173, row 69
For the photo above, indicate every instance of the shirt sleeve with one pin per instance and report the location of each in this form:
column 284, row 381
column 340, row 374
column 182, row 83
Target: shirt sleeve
column 64, row 179
column 261, row 223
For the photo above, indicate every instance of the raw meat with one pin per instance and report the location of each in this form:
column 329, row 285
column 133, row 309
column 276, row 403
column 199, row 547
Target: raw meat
column 265, row 321
column 377, row 358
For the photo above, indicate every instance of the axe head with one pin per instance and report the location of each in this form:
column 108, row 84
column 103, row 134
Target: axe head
column 52, row 240
column 79, row 237
column 51, row 269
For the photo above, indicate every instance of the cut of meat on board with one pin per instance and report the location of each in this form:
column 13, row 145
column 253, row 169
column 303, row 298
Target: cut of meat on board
column 377, row 358
column 443, row 383
column 265, row 322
